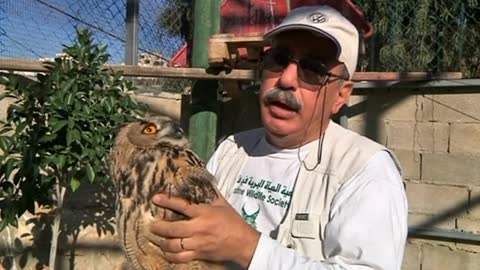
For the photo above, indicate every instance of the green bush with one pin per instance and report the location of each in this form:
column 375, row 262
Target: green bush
column 60, row 128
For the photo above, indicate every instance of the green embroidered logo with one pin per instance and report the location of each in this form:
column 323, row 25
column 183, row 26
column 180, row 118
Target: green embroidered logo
column 250, row 219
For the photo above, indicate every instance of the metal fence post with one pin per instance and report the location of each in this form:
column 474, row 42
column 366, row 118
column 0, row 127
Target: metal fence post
column 131, row 21
column 203, row 119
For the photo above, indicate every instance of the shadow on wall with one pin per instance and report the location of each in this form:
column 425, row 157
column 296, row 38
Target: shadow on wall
column 87, row 228
column 376, row 105
column 454, row 211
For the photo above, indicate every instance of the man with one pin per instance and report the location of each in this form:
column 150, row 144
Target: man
column 302, row 192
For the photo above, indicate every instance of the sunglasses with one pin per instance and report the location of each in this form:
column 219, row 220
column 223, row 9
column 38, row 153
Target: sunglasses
column 313, row 72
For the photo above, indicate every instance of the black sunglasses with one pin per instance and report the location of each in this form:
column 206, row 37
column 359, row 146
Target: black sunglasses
column 311, row 71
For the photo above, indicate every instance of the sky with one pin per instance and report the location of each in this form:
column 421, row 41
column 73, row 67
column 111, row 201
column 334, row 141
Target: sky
column 33, row 29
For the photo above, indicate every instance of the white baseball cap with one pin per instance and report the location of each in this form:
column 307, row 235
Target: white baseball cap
column 328, row 22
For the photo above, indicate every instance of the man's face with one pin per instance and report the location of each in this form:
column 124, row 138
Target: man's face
column 292, row 105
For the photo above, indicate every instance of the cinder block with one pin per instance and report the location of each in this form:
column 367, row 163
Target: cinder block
column 92, row 258
column 456, row 108
column 433, row 199
column 468, row 225
column 403, row 105
column 423, row 241
column 98, row 251
column 96, row 246
column 357, row 107
column 419, row 136
column 410, row 163
column 169, row 105
column 455, row 169
column 465, row 138
column 440, row 257
column 474, row 210
column 91, row 197
column 415, row 220
column 374, row 130
column 469, row 248
column 431, row 137
column 426, row 113
column 4, row 103
column 411, row 257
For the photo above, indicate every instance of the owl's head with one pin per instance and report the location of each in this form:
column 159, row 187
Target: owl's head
column 155, row 130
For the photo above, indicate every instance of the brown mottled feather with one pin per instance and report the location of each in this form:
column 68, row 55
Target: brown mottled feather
column 143, row 165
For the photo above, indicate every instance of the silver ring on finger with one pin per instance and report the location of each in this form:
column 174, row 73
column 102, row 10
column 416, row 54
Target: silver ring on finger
column 181, row 244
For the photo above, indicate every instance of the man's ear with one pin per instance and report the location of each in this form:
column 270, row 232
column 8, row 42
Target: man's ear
column 342, row 96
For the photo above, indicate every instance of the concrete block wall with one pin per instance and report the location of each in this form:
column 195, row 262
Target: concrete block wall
column 435, row 133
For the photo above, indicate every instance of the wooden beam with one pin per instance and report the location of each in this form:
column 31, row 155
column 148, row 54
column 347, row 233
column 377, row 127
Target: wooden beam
column 141, row 71
column 224, row 50
column 235, row 74
column 253, row 39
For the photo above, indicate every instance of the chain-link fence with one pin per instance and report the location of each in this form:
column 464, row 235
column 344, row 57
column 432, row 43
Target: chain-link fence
column 37, row 29
column 423, row 35
column 33, row 29
column 410, row 35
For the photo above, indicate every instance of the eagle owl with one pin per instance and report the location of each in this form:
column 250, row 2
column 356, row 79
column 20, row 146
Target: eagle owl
column 152, row 156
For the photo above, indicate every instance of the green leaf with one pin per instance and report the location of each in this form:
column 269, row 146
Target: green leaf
column 90, row 172
column 86, row 109
column 75, row 135
column 59, row 125
column 48, row 138
column 61, row 161
column 74, row 184
column 69, row 136
column 10, row 167
column 69, row 84
column 4, row 80
column 3, row 223
column 20, row 127
column 5, row 143
column 14, row 221
column 4, row 129
column 108, row 105
column 69, row 99
column 71, row 123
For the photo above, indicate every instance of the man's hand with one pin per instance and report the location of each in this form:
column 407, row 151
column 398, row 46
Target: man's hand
column 214, row 232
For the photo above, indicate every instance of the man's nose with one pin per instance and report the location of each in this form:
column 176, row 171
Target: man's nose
column 289, row 77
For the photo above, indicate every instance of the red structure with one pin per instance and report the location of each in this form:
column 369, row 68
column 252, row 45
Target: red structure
column 258, row 16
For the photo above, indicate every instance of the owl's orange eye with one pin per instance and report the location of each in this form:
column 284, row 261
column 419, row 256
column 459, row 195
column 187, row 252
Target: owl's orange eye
column 151, row 129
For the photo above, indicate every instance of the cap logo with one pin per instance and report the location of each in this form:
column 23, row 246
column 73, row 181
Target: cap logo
column 317, row 18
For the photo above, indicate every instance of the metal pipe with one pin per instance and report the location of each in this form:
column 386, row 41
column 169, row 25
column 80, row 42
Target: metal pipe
column 444, row 235
column 131, row 46
column 418, row 84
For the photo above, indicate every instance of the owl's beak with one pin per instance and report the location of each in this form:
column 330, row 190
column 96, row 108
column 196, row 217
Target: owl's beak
column 177, row 131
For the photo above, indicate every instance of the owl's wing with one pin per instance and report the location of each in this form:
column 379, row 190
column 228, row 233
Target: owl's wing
column 196, row 184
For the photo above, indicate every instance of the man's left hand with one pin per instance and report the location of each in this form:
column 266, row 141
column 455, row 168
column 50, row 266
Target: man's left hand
column 213, row 232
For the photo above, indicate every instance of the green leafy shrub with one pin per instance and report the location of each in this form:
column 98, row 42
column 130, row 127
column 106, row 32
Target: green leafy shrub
column 59, row 129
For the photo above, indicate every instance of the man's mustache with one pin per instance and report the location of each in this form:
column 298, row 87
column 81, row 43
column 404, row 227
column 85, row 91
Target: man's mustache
column 283, row 96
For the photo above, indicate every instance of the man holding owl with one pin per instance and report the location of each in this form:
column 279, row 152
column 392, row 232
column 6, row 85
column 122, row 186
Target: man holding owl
column 302, row 192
